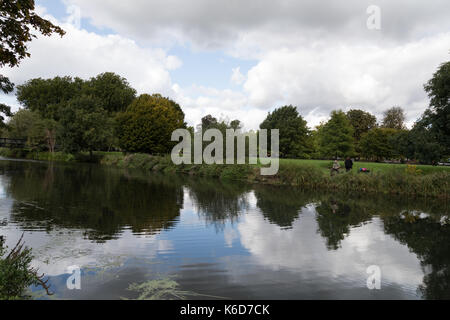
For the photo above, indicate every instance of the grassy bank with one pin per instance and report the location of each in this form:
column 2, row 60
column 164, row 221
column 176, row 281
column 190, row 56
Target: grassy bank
column 418, row 181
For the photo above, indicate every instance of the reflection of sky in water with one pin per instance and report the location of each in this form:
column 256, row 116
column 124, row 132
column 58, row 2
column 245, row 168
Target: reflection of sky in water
column 246, row 258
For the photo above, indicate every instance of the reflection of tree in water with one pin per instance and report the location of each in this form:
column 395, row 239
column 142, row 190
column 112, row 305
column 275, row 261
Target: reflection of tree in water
column 218, row 201
column 336, row 216
column 281, row 205
column 101, row 201
column 428, row 236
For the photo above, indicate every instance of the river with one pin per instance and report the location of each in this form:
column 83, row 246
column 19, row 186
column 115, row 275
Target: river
column 138, row 235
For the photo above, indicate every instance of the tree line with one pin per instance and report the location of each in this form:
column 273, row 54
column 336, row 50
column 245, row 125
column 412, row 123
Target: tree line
column 104, row 113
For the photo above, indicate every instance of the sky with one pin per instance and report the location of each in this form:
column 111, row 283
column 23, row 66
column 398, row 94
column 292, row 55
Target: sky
column 242, row 59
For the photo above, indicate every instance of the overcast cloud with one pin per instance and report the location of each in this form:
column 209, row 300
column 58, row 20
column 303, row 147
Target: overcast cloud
column 318, row 56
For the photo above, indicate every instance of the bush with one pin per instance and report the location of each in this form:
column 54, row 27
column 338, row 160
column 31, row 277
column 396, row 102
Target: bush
column 16, row 275
column 147, row 125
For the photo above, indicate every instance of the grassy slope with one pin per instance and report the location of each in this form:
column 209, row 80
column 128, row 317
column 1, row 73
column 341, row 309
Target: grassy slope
column 325, row 165
column 309, row 174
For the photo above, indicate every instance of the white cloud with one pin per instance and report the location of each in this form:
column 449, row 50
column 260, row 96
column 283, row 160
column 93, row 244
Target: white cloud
column 199, row 101
column 86, row 54
column 317, row 57
column 222, row 23
column 237, row 77
column 343, row 76
column 363, row 246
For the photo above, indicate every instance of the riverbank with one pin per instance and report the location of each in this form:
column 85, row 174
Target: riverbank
column 390, row 179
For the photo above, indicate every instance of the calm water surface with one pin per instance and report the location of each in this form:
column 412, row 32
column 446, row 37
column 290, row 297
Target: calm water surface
column 136, row 235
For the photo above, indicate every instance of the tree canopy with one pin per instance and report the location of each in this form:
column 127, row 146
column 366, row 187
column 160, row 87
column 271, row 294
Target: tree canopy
column 295, row 138
column 438, row 114
column 362, row 122
column 394, row 118
column 48, row 96
column 17, row 20
column 336, row 136
column 377, row 143
column 147, row 124
column 84, row 125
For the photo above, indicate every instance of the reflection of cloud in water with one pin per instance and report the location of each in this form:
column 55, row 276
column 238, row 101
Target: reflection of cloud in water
column 230, row 235
column 59, row 250
column 302, row 250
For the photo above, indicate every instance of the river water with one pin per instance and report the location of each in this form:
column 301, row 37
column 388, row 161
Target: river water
column 135, row 235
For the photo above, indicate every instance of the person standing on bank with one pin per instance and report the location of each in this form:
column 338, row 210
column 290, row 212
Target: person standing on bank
column 335, row 168
column 348, row 164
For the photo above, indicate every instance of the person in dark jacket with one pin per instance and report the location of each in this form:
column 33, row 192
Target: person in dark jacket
column 348, row 164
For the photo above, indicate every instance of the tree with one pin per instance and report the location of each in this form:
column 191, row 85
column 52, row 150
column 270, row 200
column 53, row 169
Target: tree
column 48, row 96
column 6, row 111
column 147, row 124
column 403, row 144
column 394, row 118
column 113, row 91
column 236, row 125
column 295, row 140
column 377, row 143
column 26, row 124
column 84, row 126
column 361, row 122
column 17, row 18
column 438, row 114
column 336, row 136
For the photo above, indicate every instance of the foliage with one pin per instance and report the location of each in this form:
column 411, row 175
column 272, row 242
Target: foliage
column 48, row 96
column 147, row 124
column 336, row 136
column 84, row 125
column 16, row 275
column 412, row 170
column 295, row 140
column 26, row 124
column 394, row 118
column 438, row 114
column 420, row 144
column 112, row 90
column 376, row 144
column 362, row 122
column 163, row 289
column 6, row 111
column 18, row 17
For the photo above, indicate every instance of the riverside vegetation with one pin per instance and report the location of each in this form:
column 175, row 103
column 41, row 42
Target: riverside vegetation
column 410, row 180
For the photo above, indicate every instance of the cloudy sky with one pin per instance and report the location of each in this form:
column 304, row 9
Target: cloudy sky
column 242, row 59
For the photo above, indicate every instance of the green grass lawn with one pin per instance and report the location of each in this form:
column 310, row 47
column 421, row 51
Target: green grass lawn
column 372, row 166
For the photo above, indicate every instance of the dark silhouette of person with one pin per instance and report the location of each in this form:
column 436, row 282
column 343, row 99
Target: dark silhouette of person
column 348, row 164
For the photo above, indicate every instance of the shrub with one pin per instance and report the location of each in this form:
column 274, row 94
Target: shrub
column 16, row 275
column 147, row 124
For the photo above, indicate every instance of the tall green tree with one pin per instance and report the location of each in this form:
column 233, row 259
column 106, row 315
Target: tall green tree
column 147, row 124
column 438, row 114
column 26, row 124
column 17, row 20
column 336, row 136
column 295, row 139
column 377, row 143
column 394, row 118
column 361, row 122
column 113, row 91
column 84, row 126
column 48, row 96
